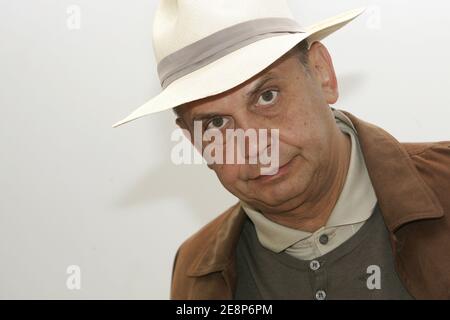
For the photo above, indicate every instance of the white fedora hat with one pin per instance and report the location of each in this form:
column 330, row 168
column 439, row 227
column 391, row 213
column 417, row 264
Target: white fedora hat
column 206, row 47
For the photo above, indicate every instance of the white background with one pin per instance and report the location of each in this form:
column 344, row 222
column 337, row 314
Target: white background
column 74, row 191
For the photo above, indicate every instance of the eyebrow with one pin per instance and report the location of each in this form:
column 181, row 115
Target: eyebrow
column 259, row 84
column 250, row 94
column 204, row 116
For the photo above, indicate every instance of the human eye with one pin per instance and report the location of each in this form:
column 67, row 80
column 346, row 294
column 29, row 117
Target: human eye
column 217, row 123
column 268, row 97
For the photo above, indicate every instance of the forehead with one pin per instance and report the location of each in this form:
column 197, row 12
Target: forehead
column 280, row 69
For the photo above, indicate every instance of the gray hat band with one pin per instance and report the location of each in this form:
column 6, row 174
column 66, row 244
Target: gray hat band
column 219, row 44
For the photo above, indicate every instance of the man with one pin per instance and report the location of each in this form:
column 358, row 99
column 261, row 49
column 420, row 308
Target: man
column 350, row 213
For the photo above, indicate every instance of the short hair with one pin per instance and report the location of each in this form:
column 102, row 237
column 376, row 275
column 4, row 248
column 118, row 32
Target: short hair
column 301, row 50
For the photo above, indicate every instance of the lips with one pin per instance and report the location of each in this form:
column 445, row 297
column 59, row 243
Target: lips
column 281, row 170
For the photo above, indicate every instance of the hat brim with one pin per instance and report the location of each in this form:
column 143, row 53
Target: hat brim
column 236, row 67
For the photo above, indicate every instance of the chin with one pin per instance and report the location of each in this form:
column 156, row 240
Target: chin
column 277, row 196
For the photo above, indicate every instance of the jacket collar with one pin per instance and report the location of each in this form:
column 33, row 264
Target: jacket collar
column 402, row 194
column 402, row 197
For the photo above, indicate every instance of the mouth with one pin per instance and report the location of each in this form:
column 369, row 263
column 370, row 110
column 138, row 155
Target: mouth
column 282, row 170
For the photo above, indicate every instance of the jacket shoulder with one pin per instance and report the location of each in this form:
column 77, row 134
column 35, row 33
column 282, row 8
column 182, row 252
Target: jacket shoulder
column 418, row 148
column 190, row 250
column 206, row 233
column 432, row 161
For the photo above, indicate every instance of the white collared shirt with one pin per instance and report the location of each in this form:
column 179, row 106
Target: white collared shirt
column 353, row 207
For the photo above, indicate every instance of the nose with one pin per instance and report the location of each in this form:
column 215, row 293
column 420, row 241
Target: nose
column 256, row 139
column 254, row 142
column 251, row 147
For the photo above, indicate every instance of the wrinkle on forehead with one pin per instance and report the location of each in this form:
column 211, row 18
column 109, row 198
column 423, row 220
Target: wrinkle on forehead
column 224, row 100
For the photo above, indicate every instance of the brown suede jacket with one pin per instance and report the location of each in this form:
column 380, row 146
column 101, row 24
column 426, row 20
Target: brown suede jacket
column 412, row 184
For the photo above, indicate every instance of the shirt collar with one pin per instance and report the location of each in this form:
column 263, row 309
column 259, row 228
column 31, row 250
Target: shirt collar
column 354, row 205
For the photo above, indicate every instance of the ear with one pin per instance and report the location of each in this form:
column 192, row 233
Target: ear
column 321, row 66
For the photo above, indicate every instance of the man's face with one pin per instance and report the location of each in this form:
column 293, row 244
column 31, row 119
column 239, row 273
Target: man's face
column 288, row 97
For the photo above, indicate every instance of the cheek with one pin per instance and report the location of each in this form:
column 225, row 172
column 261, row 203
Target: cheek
column 298, row 133
column 304, row 136
column 227, row 174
